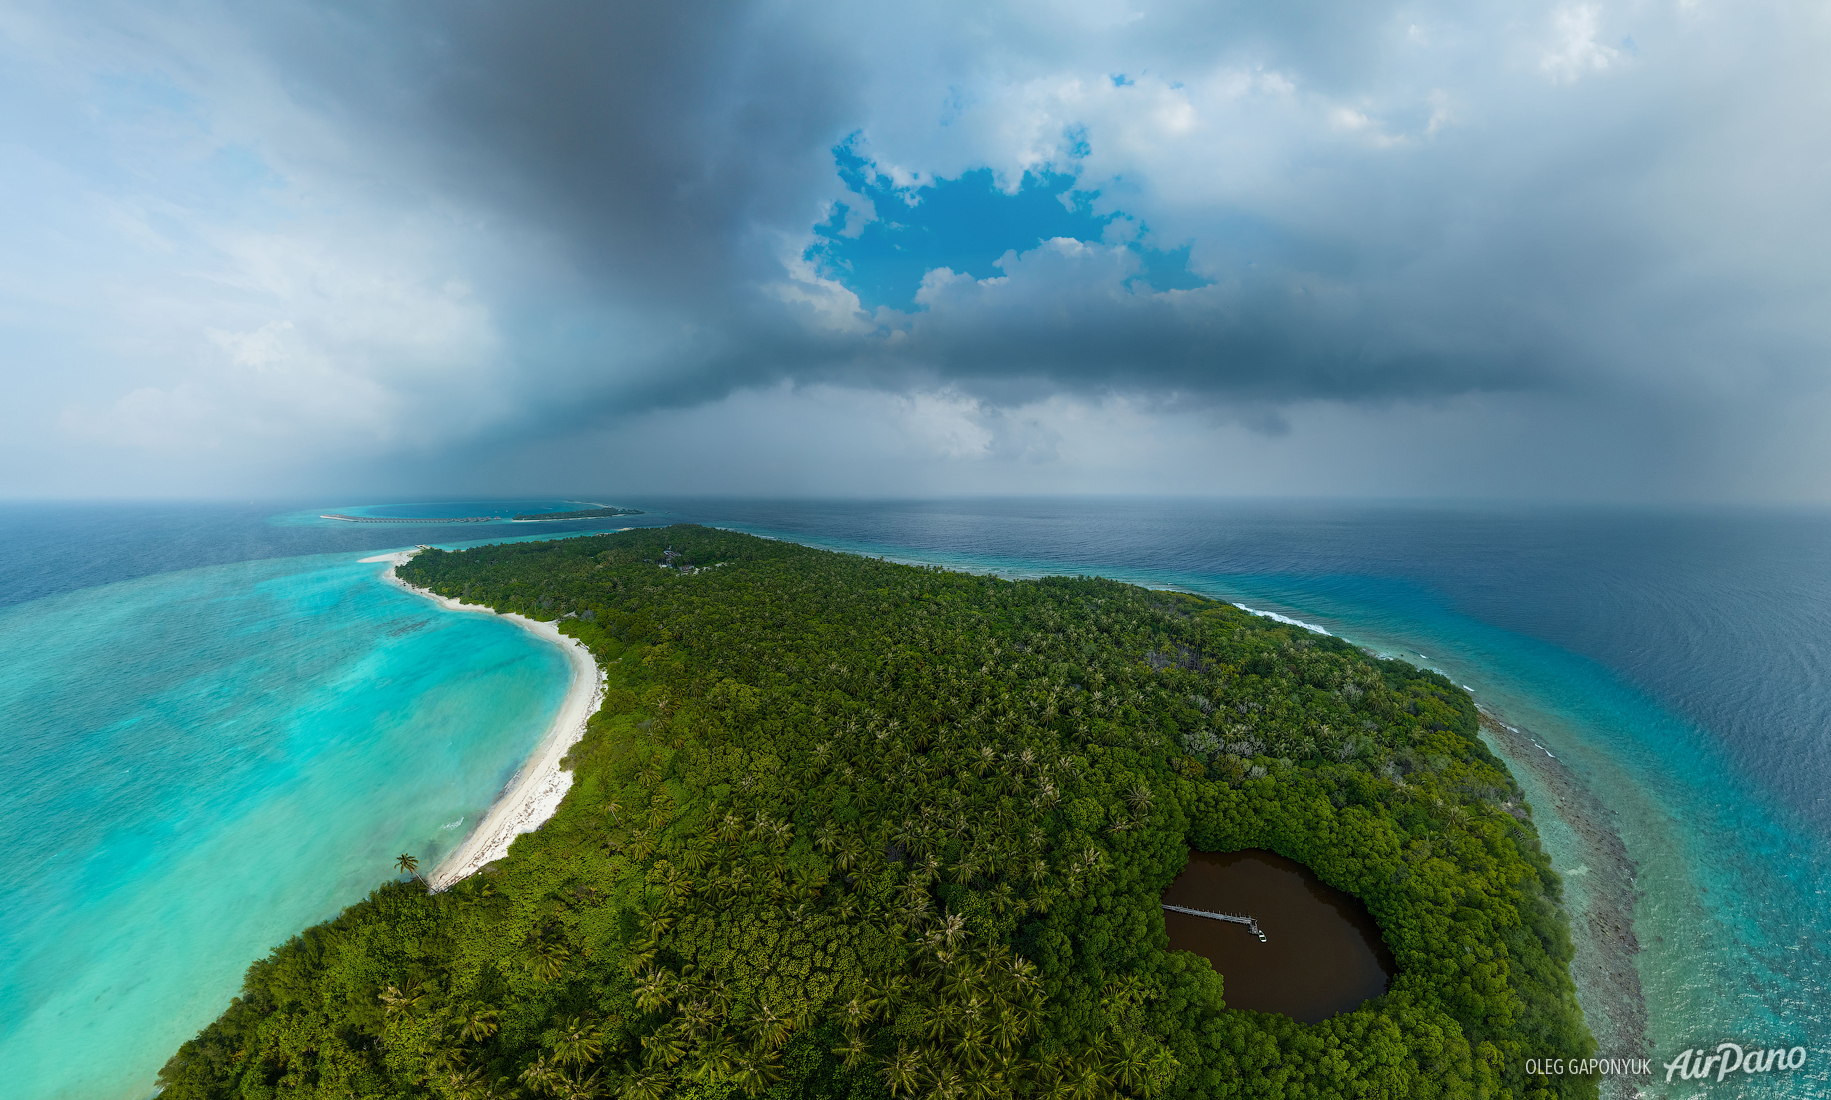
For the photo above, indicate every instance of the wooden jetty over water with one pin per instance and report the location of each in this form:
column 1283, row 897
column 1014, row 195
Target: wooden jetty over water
column 1251, row 924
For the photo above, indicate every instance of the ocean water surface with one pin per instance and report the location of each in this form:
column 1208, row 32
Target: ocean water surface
column 221, row 727
column 202, row 761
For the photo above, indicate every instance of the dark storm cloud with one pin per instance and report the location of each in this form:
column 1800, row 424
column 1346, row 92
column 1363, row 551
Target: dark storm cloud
column 678, row 153
column 548, row 217
column 671, row 150
column 651, row 141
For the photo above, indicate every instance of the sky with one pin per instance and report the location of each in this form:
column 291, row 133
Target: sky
column 1508, row 250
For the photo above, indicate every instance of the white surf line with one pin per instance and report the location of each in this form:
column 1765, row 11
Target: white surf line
column 533, row 796
column 1286, row 619
column 1515, row 731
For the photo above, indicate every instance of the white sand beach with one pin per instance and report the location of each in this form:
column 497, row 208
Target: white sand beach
column 533, row 796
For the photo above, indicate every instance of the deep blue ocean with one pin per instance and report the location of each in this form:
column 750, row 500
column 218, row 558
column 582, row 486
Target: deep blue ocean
column 219, row 726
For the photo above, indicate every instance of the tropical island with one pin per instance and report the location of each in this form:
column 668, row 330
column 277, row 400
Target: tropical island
column 588, row 513
column 844, row 828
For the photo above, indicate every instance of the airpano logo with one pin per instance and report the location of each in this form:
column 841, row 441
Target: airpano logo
column 1698, row 1065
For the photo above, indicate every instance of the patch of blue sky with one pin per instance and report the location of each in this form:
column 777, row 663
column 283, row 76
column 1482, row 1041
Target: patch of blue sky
column 152, row 123
column 241, row 167
column 130, row 93
column 966, row 225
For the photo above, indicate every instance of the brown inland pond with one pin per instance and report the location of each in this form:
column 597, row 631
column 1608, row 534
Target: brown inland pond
column 1322, row 952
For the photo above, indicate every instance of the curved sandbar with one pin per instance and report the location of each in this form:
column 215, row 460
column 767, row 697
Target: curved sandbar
column 533, row 796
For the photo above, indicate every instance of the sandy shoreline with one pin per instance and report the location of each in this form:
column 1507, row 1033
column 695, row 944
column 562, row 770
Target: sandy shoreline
column 533, row 796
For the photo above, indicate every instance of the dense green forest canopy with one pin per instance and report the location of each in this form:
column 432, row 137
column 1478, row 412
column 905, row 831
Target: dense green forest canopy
column 848, row 828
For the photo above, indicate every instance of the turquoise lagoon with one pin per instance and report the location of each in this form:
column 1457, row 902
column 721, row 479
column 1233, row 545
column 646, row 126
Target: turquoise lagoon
column 201, row 763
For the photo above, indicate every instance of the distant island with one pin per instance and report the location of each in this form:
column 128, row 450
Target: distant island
column 588, row 513
column 411, row 519
column 526, row 517
column 845, row 829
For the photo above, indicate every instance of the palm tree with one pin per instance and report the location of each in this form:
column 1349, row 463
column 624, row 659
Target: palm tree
column 973, row 1048
column 579, row 1043
column 760, row 826
column 652, row 989
column 547, row 959
column 854, row 1050
column 664, row 1047
column 947, row 1084
column 646, row 1086
column 911, row 889
column 768, row 1029
column 641, row 845
column 540, row 1075
column 965, row 870
column 756, row 1071
column 400, row 1003
column 407, row 865
column 1140, row 798
column 582, row 1088
column 953, row 930
column 479, row 1025
column 492, row 1090
column 715, row 1058
column 1085, row 1082
column 467, row 1083
column 1127, row 1067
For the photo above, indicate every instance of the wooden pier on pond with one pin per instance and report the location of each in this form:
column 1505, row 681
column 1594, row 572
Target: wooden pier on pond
column 1251, row 924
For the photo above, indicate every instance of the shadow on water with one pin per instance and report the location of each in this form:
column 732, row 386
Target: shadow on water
column 1322, row 952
